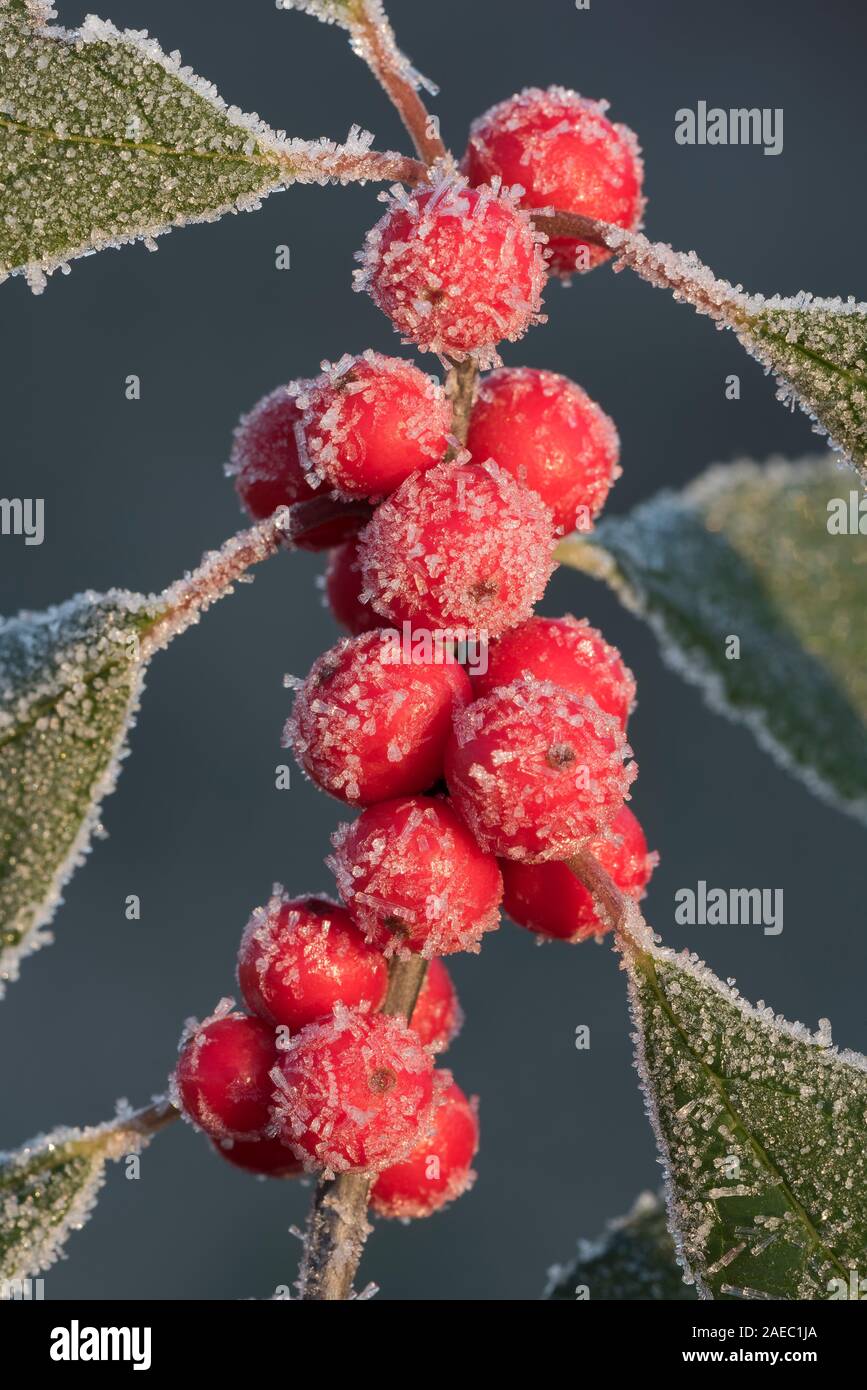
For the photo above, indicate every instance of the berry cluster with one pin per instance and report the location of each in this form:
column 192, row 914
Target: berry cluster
column 475, row 781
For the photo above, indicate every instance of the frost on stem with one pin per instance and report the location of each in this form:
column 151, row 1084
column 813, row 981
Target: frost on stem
column 105, row 139
column 48, row 1187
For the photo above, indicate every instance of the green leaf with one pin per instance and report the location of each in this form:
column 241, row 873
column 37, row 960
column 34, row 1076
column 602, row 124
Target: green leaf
column 746, row 552
column 70, row 680
column 761, row 1131
column 105, row 139
column 634, row 1259
column 816, row 348
column 48, row 1188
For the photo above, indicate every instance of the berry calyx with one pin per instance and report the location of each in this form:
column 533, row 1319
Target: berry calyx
column 537, row 771
column 550, row 900
column 438, row 1170
column 549, row 435
column 461, row 546
column 456, row 269
column 414, row 879
column 269, row 470
column 300, row 956
column 343, row 588
column 565, row 153
column 355, row 1091
column 267, row 1158
column 569, row 653
column 367, row 422
column 222, row 1079
column 368, row 725
column 437, row 1016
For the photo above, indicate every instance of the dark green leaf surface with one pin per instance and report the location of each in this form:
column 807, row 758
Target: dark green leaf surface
column 746, row 552
column 634, row 1259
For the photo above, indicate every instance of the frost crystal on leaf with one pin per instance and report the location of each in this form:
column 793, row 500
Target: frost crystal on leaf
column 105, row 139
column 70, row 680
column 634, row 1259
column 816, row 348
column 48, row 1188
column 761, row 1131
column 750, row 550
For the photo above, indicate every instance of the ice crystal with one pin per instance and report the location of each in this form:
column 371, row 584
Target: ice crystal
column 746, row 551
column 761, row 1131
column 70, row 680
column 816, row 348
column 634, row 1259
column 105, row 139
column 48, row 1189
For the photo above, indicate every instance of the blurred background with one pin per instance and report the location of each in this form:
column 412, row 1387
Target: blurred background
column 134, row 493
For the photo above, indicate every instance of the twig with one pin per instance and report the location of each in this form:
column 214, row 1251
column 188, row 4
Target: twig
column 373, row 40
column 573, row 224
column 461, row 385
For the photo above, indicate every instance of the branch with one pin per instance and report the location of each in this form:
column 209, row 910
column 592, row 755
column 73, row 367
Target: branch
column 461, row 383
column 373, row 40
column 338, row 1226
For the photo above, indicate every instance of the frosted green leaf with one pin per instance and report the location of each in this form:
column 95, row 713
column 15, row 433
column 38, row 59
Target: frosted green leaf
column 746, row 552
column 633, row 1259
column 48, row 1188
column 105, row 139
column 70, row 680
column 761, row 1131
column 815, row 348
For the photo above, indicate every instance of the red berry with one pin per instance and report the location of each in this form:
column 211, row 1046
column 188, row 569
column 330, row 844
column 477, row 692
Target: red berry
column 549, row 434
column 437, row 1016
column 461, row 546
column 369, row 421
column 569, row 653
column 549, row 899
column 356, row 1092
column 438, row 1169
column 367, row 727
column 343, row 586
column 536, row 771
column 269, row 471
column 267, row 1157
column 222, row 1077
column 565, row 153
column 300, row 956
column 456, row 269
column 414, row 878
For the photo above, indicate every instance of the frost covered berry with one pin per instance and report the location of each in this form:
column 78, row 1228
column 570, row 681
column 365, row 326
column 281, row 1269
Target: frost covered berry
column 369, row 421
column 265, row 1157
column 343, row 586
column 300, row 956
column 438, row 1170
column 550, row 900
column 537, row 771
column 437, row 1016
column 269, row 472
column 456, row 269
column 549, row 434
column 355, row 1091
column 569, row 653
column 461, row 546
column 414, row 879
column 368, row 725
column 565, row 153
column 222, row 1077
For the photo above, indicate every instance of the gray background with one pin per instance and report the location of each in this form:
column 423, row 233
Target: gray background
column 134, row 494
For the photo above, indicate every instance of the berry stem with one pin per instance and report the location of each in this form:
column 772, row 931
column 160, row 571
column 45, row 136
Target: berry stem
column 573, row 224
column 373, row 40
column 461, row 383
column 338, row 1226
column 620, row 912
